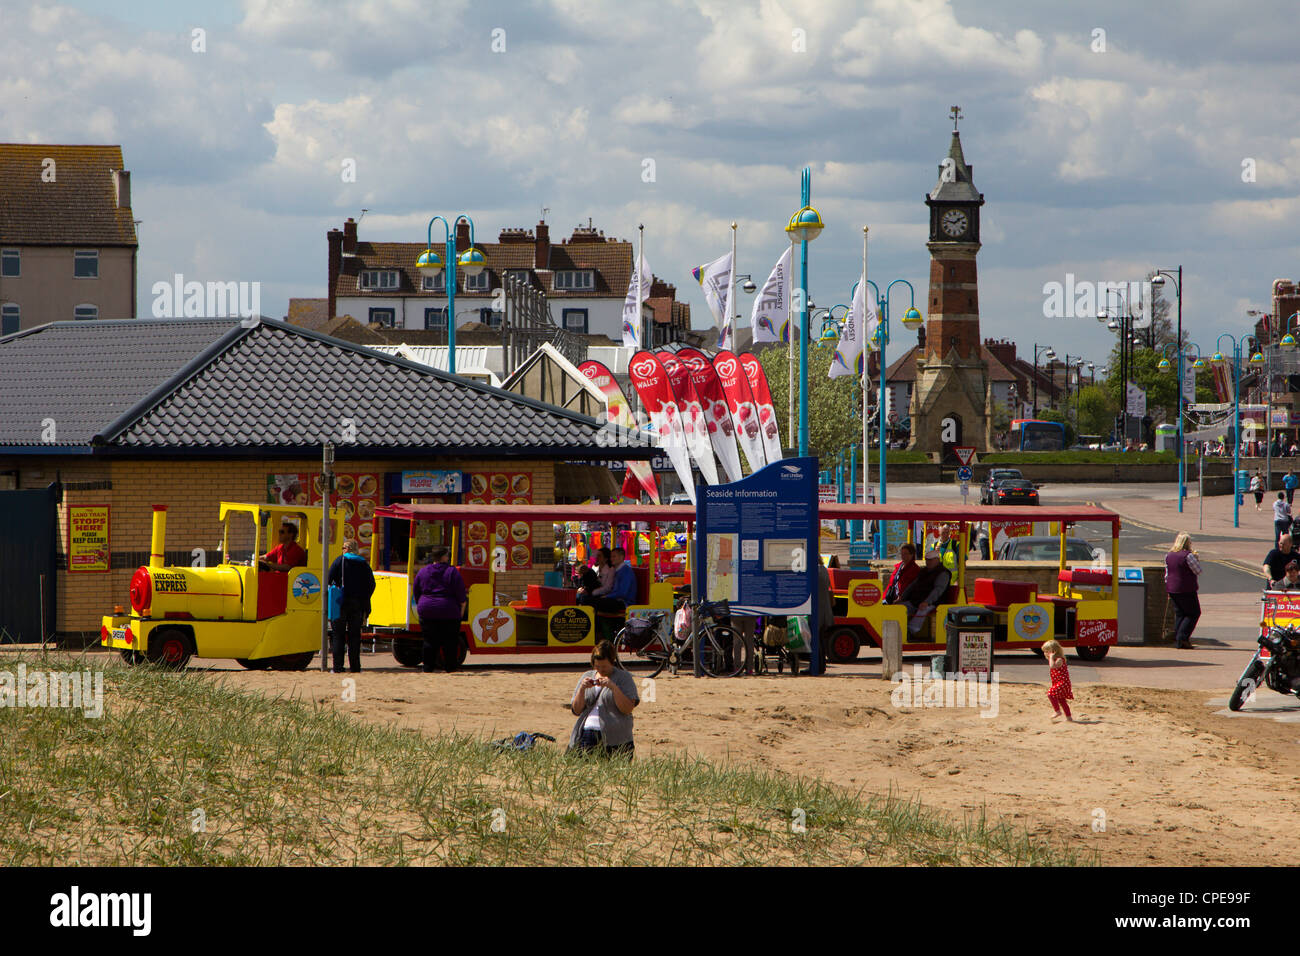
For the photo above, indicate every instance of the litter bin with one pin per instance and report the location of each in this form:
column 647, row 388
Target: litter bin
column 1132, row 606
column 1243, row 484
column 969, row 631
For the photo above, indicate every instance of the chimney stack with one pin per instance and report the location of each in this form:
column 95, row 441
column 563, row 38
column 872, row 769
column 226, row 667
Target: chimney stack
column 350, row 236
column 542, row 256
column 335, row 239
column 462, row 236
column 122, row 188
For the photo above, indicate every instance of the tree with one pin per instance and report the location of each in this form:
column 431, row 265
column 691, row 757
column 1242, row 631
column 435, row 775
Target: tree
column 1097, row 410
column 1052, row 415
column 834, row 404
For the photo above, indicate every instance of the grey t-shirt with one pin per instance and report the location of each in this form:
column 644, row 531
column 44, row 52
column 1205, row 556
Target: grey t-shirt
column 615, row 725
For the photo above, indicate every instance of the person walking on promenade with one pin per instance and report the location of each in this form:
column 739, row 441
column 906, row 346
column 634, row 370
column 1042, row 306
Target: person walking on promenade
column 1182, row 571
column 1290, row 481
column 1257, row 488
column 1281, row 517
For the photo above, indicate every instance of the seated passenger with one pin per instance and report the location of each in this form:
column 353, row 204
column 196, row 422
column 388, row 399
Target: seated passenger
column 287, row 554
column 905, row 572
column 1290, row 578
column 923, row 594
column 620, row 593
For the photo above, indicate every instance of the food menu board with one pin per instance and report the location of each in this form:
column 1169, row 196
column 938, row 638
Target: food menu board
column 499, row 488
column 355, row 494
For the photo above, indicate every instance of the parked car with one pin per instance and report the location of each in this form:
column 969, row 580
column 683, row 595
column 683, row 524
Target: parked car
column 1046, row 548
column 1014, row 491
column 995, row 475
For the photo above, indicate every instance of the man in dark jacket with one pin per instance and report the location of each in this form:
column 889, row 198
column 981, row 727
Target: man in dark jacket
column 350, row 573
column 923, row 595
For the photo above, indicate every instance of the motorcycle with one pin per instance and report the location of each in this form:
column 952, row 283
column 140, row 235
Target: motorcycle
column 1275, row 665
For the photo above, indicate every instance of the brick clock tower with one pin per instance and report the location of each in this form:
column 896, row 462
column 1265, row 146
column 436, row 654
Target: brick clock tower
column 950, row 397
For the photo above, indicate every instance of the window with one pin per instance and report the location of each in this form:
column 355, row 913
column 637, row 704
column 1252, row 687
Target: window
column 436, row 283
column 519, row 275
column 9, row 316
column 478, row 283
column 491, row 318
column 385, row 317
column 574, row 281
column 379, row 279
column 85, row 264
column 10, row 263
column 435, row 319
column 575, row 320
column 85, row 312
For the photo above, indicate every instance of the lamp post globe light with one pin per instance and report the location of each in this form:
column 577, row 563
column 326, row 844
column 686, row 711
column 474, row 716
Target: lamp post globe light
column 804, row 226
column 1158, row 280
column 471, row 262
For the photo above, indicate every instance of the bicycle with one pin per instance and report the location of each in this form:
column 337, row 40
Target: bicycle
column 722, row 649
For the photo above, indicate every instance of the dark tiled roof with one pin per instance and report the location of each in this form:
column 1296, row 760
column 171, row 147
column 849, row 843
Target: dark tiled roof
column 84, row 375
column 961, row 187
column 78, row 207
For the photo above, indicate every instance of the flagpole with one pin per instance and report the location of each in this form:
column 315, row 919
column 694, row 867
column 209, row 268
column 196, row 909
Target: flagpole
column 640, row 266
column 731, row 291
column 789, row 335
column 866, row 355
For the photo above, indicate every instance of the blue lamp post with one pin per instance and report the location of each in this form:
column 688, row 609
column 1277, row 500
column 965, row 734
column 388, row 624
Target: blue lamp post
column 911, row 321
column 1220, row 359
column 804, row 226
column 1158, row 280
column 429, row 263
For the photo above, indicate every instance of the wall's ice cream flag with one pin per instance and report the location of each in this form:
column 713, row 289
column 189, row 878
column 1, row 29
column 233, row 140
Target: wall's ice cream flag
column 717, row 417
column 717, row 279
column 650, row 379
column 632, row 308
column 740, row 402
column 692, row 415
column 767, row 425
column 772, row 306
column 639, row 473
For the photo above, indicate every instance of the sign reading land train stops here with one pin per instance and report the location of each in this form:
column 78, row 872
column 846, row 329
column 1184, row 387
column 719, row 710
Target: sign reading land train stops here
column 757, row 541
column 964, row 453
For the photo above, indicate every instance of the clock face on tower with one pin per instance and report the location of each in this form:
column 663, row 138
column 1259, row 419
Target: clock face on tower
column 954, row 223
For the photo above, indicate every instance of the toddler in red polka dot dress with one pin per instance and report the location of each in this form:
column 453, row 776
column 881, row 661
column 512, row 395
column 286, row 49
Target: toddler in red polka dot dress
column 1060, row 691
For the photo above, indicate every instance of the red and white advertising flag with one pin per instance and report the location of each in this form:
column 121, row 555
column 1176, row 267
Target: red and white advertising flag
column 640, row 477
column 650, row 379
column 692, row 415
column 763, row 399
column 740, row 402
column 717, row 417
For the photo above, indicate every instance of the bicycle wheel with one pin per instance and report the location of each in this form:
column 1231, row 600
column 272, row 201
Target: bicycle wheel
column 658, row 657
column 722, row 650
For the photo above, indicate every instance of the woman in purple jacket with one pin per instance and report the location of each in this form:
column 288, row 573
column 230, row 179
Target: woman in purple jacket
column 438, row 597
column 1182, row 568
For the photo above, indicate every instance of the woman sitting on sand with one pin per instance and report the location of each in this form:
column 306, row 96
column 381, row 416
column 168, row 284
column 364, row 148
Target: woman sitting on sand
column 603, row 702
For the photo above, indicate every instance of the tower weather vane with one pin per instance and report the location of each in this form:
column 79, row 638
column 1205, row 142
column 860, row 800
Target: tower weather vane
column 955, row 113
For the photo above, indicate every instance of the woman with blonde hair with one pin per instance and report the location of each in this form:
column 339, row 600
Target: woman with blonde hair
column 1182, row 569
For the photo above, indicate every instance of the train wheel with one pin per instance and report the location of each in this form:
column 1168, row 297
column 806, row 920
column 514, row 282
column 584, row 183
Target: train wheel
column 1093, row 653
column 842, row 645
column 408, row 653
column 260, row 664
column 133, row 658
column 169, row 648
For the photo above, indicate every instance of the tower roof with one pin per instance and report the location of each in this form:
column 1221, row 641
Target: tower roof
column 958, row 185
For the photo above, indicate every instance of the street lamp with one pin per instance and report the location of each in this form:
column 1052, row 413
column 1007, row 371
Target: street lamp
column 804, row 226
column 1049, row 353
column 1157, row 280
column 911, row 321
column 429, row 263
column 1220, row 360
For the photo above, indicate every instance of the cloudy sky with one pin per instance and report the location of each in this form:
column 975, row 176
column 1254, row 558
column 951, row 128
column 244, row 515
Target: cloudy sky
column 1098, row 162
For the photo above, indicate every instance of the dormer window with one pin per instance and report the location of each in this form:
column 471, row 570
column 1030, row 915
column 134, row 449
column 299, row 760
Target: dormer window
column 478, row 283
column 436, row 283
column 379, row 280
column 575, row 280
column 519, row 275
